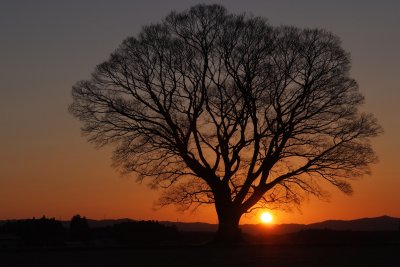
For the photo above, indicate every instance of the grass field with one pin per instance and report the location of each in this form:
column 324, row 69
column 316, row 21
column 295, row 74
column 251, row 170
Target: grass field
column 251, row 255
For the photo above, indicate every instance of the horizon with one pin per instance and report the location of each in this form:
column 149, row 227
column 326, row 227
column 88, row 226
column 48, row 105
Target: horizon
column 48, row 167
column 269, row 224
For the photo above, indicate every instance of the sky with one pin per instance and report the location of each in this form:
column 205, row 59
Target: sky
column 48, row 168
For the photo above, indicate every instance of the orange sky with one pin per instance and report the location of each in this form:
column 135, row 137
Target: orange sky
column 47, row 168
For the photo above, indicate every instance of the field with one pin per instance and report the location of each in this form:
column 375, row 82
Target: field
column 251, row 255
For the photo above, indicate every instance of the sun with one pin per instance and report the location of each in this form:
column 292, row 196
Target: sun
column 266, row 217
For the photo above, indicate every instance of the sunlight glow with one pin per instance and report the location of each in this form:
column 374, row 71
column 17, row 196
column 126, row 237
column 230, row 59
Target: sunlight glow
column 266, row 217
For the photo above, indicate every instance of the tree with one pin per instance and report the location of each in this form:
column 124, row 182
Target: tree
column 79, row 228
column 227, row 110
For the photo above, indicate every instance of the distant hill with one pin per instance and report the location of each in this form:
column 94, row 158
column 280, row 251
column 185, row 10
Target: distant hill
column 383, row 223
column 121, row 232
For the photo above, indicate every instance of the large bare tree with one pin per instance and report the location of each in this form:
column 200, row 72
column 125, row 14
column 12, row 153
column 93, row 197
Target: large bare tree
column 227, row 110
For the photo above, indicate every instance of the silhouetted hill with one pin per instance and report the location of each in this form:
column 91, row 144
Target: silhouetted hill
column 383, row 223
column 82, row 232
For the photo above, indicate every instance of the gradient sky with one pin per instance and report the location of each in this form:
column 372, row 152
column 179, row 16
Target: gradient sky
column 47, row 168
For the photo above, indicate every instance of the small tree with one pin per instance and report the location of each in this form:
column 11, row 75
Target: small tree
column 227, row 110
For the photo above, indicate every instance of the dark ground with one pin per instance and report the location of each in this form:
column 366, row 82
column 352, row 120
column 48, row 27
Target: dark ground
column 196, row 256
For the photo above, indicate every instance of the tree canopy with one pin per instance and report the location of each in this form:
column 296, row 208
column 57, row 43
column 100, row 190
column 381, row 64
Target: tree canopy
column 227, row 109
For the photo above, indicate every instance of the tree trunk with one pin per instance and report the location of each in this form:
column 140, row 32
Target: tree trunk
column 228, row 227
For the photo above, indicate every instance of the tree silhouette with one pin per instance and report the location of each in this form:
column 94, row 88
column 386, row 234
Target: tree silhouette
column 79, row 228
column 36, row 232
column 227, row 110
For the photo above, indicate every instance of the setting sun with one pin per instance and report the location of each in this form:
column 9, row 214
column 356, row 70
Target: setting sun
column 266, row 217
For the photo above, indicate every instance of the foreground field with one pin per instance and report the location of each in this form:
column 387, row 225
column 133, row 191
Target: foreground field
column 260, row 255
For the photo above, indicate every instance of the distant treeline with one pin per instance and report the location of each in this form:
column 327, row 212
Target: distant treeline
column 77, row 233
column 32, row 232
column 49, row 232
